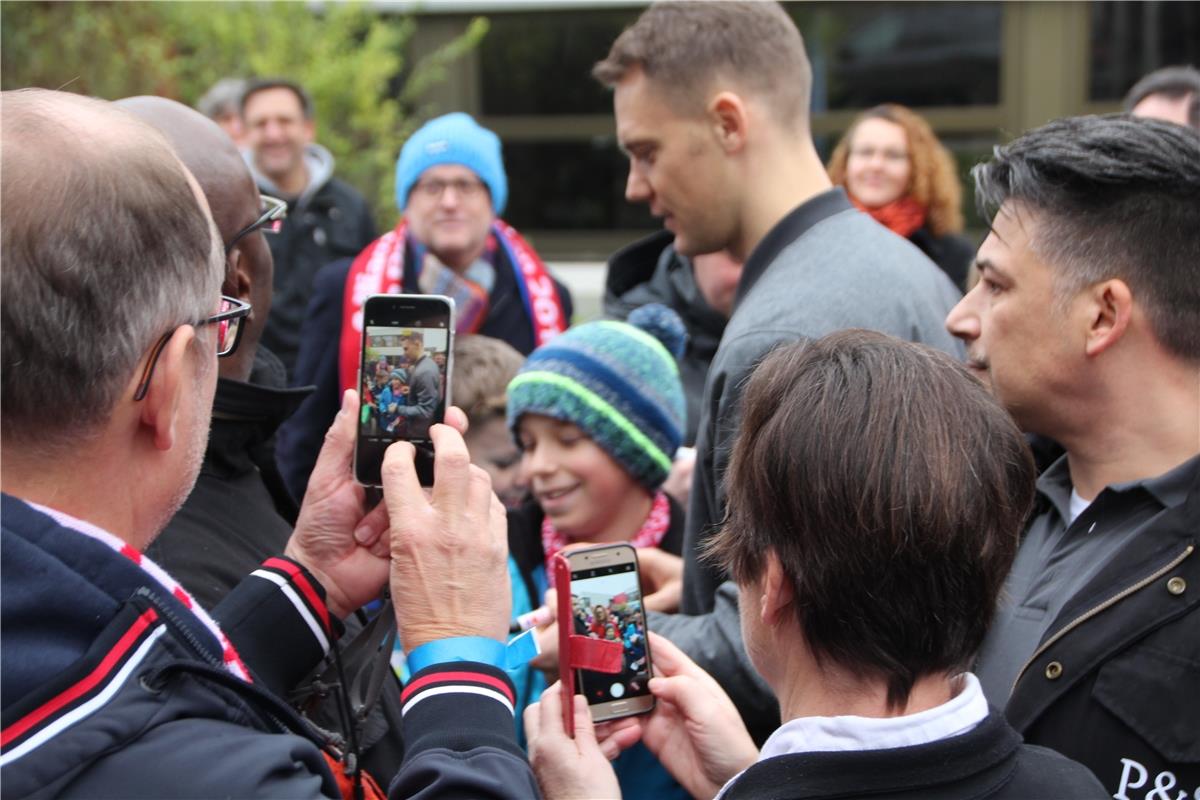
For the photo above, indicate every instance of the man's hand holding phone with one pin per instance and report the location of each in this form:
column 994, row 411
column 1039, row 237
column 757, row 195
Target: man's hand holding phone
column 449, row 546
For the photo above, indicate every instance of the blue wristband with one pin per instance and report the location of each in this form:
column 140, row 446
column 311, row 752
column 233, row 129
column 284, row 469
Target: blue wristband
column 479, row 649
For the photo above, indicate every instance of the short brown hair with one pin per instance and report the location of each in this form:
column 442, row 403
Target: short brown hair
column 686, row 47
column 902, row 487
column 935, row 182
column 483, row 366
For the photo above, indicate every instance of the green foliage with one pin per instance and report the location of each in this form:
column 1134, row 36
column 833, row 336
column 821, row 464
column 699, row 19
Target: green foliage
column 351, row 59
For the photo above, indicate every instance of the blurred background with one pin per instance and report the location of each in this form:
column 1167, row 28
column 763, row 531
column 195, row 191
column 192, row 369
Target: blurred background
column 981, row 72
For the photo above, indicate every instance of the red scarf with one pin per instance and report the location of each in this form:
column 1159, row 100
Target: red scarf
column 379, row 269
column 650, row 535
column 904, row 216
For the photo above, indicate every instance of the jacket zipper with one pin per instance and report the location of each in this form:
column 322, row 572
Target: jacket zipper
column 173, row 619
column 1103, row 606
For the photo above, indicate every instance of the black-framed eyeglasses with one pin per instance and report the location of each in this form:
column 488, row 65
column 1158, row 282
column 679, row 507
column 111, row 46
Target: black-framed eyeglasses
column 270, row 221
column 229, row 332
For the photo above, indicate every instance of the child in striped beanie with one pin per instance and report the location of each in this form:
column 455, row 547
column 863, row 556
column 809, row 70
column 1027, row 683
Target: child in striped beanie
column 598, row 413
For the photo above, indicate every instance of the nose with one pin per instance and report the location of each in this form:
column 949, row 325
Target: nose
column 637, row 188
column 450, row 197
column 963, row 319
column 536, row 462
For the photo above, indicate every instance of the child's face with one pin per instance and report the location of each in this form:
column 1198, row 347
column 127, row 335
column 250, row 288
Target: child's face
column 491, row 447
column 578, row 485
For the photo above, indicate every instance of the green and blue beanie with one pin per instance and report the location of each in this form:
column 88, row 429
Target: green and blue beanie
column 619, row 382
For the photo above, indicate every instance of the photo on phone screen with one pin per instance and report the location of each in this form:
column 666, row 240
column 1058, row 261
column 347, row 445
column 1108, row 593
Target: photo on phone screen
column 606, row 602
column 406, row 347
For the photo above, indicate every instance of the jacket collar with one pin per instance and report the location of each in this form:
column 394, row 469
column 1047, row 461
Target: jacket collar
column 787, row 230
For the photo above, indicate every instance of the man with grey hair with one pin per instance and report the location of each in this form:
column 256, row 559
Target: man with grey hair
column 115, row 682
column 712, row 101
column 222, row 104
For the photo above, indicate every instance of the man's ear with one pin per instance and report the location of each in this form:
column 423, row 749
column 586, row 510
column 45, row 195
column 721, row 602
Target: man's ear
column 310, row 131
column 727, row 112
column 237, row 276
column 777, row 592
column 164, row 396
column 1109, row 313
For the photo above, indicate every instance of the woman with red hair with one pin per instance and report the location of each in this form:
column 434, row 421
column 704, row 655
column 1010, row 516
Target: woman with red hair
column 895, row 169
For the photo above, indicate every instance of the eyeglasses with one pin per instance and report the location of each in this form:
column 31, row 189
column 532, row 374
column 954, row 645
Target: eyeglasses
column 463, row 187
column 271, row 221
column 869, row 152
column 229, row 332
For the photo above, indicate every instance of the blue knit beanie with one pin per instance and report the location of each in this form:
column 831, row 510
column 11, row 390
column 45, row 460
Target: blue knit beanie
column 619, row 382
column 452, row 139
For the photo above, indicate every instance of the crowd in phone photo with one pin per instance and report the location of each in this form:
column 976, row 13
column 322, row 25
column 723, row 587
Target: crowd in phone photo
column 895, row 460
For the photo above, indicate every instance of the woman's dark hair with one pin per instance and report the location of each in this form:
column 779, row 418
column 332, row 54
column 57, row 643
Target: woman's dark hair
column 892, row 487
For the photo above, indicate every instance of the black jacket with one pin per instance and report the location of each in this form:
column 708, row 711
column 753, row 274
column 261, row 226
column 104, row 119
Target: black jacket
column 301, row 436
column 952, row 253
column 1115, row 682
column 239, row 514
column 331, row 223
column 988, row 761
column 651, row 271
column 113, row 688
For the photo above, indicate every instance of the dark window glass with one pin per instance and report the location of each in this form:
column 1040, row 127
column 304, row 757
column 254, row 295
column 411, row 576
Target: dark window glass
column 571, row 186
column 541, row 62
column 917, row 54
column 1132, row 39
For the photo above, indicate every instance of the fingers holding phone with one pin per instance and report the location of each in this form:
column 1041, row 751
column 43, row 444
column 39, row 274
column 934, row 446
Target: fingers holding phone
column 449, row 547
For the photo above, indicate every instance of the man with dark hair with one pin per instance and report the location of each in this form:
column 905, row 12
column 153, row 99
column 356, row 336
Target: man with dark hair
column 711, row 101
column 424, row 386
column 862, row 611
column 327, row 218
column 1170, row 93
column 115, row 681
column 1086, row 324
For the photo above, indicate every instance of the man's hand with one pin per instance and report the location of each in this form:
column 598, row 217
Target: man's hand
column 449, row 548
column 662, row 579
column 694, row 730
column 333, row 539
column 566, row 768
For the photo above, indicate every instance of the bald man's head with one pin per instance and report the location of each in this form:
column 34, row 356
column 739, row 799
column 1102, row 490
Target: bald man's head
column 211, row 156
column 106, row 244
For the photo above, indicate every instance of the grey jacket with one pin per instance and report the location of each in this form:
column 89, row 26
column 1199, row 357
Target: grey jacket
column 825, row 267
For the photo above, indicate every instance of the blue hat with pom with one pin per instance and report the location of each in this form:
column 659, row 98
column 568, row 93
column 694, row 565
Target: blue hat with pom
column 452, row 139
column 619, row 382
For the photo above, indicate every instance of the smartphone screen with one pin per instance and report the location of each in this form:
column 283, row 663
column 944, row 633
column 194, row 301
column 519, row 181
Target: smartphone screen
column 606, row 600
column 404, row 379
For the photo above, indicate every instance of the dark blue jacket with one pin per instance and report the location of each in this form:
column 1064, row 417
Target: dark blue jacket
column 113, row 688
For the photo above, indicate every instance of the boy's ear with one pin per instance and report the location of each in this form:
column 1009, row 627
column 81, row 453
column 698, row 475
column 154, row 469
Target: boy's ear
column 777, row 591
column 164, row 395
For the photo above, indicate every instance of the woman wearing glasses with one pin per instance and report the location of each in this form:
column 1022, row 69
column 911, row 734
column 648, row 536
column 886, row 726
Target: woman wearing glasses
column 895, row 169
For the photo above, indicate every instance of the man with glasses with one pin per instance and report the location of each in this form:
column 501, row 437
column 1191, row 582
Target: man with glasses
column 116, row 682
column 327, row 218
column 239, row 512
column 451, row 188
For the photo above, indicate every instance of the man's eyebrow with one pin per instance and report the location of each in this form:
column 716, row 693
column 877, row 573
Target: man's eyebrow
column 987, row 264
column 629, row 145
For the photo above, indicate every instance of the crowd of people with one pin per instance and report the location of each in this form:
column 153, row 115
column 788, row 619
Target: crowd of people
column 914, row 518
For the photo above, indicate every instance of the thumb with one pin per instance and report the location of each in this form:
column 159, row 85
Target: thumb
column 337, row 453
column 585, row 729
column 680, row 691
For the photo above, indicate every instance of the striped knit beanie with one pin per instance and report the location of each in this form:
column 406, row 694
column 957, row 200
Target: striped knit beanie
column 618, row 382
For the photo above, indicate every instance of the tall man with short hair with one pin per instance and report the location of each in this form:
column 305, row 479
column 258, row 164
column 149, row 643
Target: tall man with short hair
column 327, row 218
column 1086, row 324
column 711, row 104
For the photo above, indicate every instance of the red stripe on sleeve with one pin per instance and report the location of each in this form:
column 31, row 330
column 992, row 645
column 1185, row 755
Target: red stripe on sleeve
column 456, row 677
column 302, row 583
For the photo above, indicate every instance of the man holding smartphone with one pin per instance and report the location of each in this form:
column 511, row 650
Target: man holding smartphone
column 115, row 681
